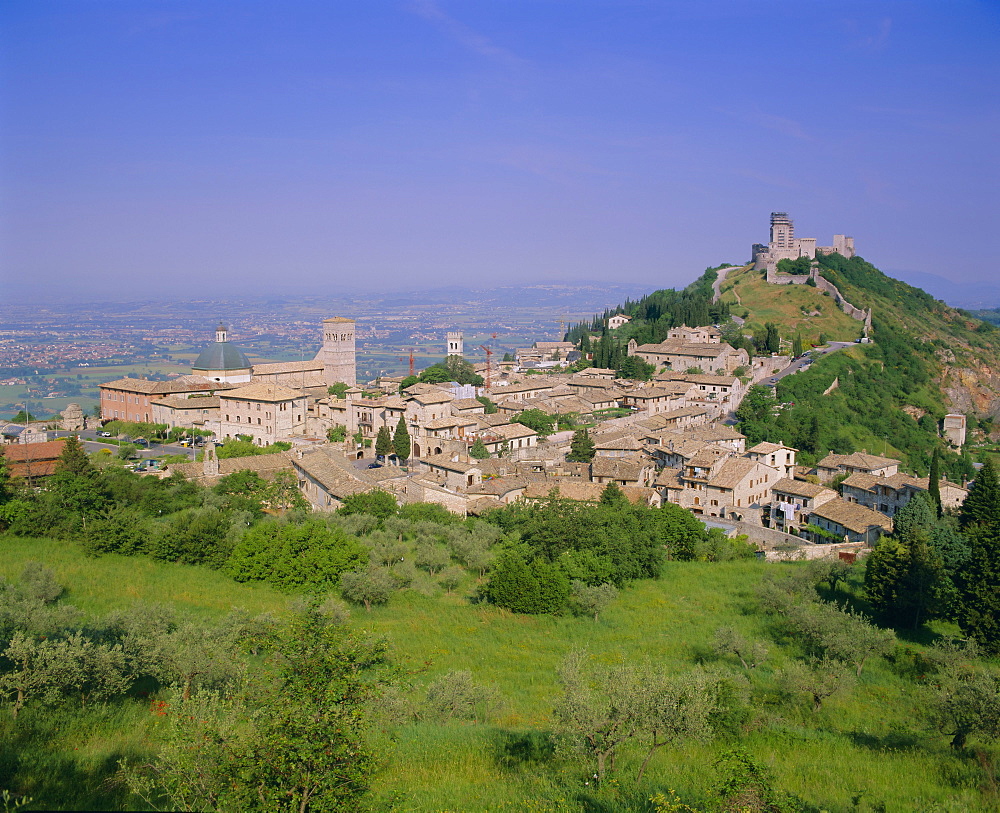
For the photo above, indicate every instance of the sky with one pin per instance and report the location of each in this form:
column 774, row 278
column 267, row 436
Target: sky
column 207, row 148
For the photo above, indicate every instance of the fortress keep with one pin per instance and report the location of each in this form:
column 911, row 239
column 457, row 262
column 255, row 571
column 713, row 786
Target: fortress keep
column 784, row 245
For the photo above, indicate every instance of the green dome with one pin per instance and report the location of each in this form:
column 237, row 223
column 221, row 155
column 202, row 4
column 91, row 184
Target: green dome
column 222, row 355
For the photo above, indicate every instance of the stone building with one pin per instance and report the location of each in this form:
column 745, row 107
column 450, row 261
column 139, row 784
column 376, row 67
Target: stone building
column 954, row 428
column 131, row 399
column 456, row 345
column 265, row 412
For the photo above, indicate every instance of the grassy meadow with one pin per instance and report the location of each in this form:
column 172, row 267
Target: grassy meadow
column 792, row 310
column 867, row 749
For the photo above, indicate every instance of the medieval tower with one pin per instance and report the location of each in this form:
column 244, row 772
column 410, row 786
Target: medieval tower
column 338, row 352
column 456, row 345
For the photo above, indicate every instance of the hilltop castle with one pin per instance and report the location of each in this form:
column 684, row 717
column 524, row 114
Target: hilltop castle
column 784, row 245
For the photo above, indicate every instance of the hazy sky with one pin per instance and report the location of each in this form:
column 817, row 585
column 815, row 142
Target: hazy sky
column 196, row 146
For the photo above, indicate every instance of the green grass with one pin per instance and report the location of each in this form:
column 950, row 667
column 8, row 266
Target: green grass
column 787, row 306
column 99, row 585
column 868, row 741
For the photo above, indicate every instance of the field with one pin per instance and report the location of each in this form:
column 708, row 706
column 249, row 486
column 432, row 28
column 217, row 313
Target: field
column 866, row 749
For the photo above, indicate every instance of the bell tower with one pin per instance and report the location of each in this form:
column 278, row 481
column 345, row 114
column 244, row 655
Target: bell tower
column 339, row 351
column 456, row 344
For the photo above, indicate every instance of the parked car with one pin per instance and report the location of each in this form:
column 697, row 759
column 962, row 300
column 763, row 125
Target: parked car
column 103, row 434
column 185, row 442
column 374, row 465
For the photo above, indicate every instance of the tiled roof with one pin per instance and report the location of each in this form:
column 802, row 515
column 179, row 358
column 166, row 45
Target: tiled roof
column 858, row 460
column 733, row 472
column 263, row 392
column 183, row 402
column 851, row 516
column 271, row 368
column 800, row 488
column 467, row 403
column 183, row 384
column 444, row 461
column 334, row 473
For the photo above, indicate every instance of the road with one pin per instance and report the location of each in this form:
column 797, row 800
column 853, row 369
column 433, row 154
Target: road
column 92, row 443
column 804, row 361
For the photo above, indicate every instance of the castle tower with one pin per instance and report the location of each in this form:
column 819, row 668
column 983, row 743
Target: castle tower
column 782, row 231
column 338, row 353
column 456, row 345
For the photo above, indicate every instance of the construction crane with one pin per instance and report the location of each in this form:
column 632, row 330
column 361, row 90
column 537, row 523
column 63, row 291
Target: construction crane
column 411, row 361
column 489, row 363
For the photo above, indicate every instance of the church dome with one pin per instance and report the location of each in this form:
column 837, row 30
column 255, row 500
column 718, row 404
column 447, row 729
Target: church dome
column 222, row 355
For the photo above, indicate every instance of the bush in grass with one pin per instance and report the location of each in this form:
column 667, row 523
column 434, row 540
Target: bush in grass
column 456, row 696
column 372, row 585
column 310, row 555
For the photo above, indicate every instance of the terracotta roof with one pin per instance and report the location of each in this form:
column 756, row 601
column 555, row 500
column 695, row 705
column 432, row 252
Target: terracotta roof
column 769, row 448
column 512, row 431
column 467, row 403
column 263, row 392
column 617, row 468
column 851, row 516
column 270, row 368
column 800, row 488
column 858, row 460
column 669, row 478
column 183, row 384
column 733, row 472
column 334, row 473
column 498, row 486
column 183, row 402
column 433, row 397
column 444, row 461
column 714, row 433
column 48, row 450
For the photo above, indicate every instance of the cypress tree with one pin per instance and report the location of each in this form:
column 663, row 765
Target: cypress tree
column 982, row 505
column 933, row 481
column 977, row 599
column 401, row 440
column 383, row 442
column 478, row 450
column 73, row 459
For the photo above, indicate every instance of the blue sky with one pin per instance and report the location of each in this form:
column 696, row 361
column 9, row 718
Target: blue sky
column 201, row 147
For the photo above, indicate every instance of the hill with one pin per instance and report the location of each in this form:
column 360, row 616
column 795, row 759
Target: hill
column 926, row 359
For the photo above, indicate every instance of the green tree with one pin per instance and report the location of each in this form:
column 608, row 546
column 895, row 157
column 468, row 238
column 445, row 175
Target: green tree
column 409, row 381
column 74, row 460
column 982, row 504
column 977, row 604
column 489, row 408
column 600, row 709
column 478, row 450
column 371, row 586
column 905, row 579
column 535, row 419
column 635, row 368
column 581, row 447
column 964, row 701
column 797, row 345
column 933, row 481
column 294, row 740
column 336, row 434
column 401, row 440
column 338, row 390
column 308, row 555
column 383, row 442
column 376, row 502
column 591, row 601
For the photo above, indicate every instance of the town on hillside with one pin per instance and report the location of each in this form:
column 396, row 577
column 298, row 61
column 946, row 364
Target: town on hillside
column 540, row 422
